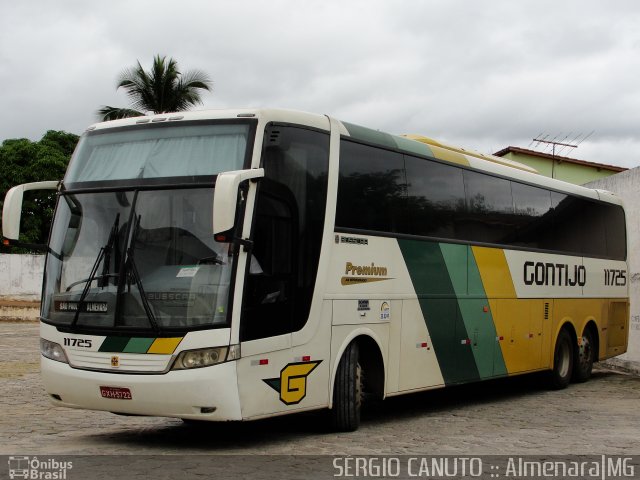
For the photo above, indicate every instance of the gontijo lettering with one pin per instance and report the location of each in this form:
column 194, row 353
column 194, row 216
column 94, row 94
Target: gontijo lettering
column 554, row 274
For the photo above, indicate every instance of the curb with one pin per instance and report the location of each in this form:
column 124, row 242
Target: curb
column 625, row 366
column 19, row 320
column 15, row 310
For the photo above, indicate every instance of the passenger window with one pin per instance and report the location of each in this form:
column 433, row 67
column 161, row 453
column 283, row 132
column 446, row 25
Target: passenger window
column 532, row 216
column 594, row 240
column 616, row 232
column 435, row 198
column 489, row 204
column 371, row 189
column 568, row 223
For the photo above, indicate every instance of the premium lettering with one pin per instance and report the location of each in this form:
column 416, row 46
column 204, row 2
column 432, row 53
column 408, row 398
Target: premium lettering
column 371, row 270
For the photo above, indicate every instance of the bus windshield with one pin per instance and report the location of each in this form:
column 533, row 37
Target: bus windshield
column 145, row 260
column 132, row 244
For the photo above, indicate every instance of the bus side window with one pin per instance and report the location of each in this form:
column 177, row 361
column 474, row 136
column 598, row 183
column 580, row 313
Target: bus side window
column 269, row 292
column 287, row 231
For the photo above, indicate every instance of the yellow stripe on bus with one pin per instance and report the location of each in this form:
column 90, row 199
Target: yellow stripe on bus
column 449, row 156
column 494, row 272
column 164, row 345
column 501, row 294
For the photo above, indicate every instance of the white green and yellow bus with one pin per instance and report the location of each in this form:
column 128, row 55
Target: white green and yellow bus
column 242, row 264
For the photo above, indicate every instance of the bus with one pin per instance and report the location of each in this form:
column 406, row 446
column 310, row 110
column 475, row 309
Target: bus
column 241, row 264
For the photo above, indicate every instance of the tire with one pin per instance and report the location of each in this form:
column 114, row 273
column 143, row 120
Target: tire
column 347, row 392
column 563, row 356
column 584, row 358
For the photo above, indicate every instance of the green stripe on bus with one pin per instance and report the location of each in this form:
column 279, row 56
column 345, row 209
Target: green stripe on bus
column 138, row 345
column 477, row 323
column 434, row 285
column 113, row 344
column 369, row 135
column 472, row 302
column 126, row 345
column 413, row 146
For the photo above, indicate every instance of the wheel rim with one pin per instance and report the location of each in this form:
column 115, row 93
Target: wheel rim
column 585, row 353
column 564, row 359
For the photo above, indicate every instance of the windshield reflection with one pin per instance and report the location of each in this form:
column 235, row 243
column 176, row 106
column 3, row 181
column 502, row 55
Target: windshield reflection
column 143, row 260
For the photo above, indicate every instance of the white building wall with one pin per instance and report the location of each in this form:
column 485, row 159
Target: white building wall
column 21, row 277
column 627, row 186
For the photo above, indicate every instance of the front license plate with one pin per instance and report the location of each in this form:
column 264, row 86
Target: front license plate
column 116, row 393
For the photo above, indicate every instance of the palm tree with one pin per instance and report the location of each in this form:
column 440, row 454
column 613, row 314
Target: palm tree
column 163, row 89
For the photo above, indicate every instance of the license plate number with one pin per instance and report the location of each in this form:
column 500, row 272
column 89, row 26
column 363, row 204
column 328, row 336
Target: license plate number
column 116, row 393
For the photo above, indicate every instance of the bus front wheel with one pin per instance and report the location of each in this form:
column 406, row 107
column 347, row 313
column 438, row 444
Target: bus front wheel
column 562, row 361
column 347, row 391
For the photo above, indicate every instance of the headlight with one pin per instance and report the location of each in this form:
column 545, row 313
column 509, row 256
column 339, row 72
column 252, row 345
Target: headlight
column 205, row 357
column 53, row 351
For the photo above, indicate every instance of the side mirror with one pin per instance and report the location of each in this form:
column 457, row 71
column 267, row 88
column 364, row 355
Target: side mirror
column 225, row 197
column 12, row 209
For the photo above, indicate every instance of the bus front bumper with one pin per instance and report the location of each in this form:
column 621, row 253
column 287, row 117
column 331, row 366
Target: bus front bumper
column 209, row 393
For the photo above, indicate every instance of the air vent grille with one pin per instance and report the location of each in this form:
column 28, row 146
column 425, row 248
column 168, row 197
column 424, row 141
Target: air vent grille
column 273, row 137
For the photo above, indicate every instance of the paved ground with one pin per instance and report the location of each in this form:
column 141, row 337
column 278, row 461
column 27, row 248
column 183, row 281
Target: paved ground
column 510, row 417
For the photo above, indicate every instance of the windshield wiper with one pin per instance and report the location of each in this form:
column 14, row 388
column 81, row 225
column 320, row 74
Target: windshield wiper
column 133, row 269
column 95, row 277
column 107, row 254
column 104, row 253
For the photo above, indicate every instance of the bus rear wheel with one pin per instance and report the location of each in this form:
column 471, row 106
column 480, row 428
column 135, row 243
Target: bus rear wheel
column 585, row 357
column 347, row 391
column 560, row 376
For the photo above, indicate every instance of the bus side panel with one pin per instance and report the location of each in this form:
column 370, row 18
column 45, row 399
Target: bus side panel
column 617, row 329
column 485, row 336
column 418, row 362
column 460, row 324
column 474, row 324
column 370, row 283
column 523, row 332
column 436, row 294
column 318, row 349
column 276, row 378
column 609, row 281
column 522, row 329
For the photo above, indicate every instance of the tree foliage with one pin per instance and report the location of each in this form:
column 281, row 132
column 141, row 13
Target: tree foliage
column 162, row 89
column 23, row 161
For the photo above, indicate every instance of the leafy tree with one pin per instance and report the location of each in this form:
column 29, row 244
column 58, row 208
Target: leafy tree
column 23, row 161
column 162, row 89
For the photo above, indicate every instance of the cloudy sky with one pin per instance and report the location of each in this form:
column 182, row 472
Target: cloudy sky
column 482, row 74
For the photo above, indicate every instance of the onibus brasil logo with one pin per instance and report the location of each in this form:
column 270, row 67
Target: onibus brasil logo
column 33, row 468
column 292, row 384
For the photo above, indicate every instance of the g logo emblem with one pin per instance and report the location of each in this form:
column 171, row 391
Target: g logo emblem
column 115, row 361
column 292, row 384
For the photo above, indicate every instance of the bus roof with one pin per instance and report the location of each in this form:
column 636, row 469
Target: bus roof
column 473, row 153
column 425, row 146
column 415, row 144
